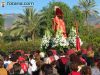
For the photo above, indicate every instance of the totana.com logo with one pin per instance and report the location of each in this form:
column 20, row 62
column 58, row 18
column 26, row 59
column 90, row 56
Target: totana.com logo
column 15, row 3
column 3, row 4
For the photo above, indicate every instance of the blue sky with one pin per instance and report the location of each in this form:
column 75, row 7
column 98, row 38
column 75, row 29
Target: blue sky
column 38, row 5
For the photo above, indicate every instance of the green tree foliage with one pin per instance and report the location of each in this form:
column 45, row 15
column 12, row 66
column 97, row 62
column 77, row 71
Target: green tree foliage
column 1, row 22
column 89, row 34
column 92, row 37
column 79, row 17
column 26, row 25
column 20, row 45
column 87, row 6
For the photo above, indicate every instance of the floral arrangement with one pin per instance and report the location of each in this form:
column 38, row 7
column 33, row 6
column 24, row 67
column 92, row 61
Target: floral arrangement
column 58, row 41
column 72, row 37
column 46, row 39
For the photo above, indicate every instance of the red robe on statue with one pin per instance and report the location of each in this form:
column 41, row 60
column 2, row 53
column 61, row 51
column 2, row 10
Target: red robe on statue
column 78, row 47
column 58, row 23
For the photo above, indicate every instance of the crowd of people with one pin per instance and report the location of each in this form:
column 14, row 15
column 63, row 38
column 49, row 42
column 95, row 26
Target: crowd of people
column 69, row 62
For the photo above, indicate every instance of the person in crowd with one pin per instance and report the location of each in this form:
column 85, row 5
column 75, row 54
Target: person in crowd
column 84, row 54
column 55, row 54
column 13, row 61
column 16, row 69
column 61, row 63
column 38, row 60
column 96, row 68
column 90, row 55
column 86, row 70
column 54, row 67
column 42, row 55
column 74, row 69
column 32, row 70
column 79, row 54
column 74, row 58
column 47, row 70
column 50, row 58
column 3, row 71
column 6, row 61
column 23, row 65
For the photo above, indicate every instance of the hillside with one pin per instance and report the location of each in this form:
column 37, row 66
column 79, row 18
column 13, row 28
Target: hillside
column 11, row 18
column 94, row 20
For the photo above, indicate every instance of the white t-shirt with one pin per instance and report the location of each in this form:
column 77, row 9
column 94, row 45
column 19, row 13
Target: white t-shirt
column 56, row 57
column 32, row 67
column 6, row 63
column 95, row 71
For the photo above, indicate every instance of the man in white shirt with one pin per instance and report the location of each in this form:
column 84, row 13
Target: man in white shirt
column 32, row 65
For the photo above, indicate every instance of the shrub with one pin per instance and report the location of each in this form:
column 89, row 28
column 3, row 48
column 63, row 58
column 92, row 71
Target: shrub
column 20, row 45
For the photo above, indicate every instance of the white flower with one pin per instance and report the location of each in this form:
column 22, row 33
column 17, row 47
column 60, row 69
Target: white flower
column 59, row 40
column 72, row 37
column 46, row 39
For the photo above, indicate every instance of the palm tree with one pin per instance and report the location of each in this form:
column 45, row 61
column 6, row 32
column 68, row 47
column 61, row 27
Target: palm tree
column 87, row 7
column 26, row 24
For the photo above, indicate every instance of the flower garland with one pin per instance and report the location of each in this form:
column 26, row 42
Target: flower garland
column 59, row 41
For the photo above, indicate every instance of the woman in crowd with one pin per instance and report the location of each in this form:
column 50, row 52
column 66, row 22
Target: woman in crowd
column 3, row 71
column 50, row 58
column 74, row 69
column 86, row 70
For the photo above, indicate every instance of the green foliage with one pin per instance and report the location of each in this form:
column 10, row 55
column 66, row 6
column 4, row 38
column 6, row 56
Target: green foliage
column 90, row 37
column 1, row 22
column 20, row 45
column 79, row 16
column 87, row 7
column 26, row 25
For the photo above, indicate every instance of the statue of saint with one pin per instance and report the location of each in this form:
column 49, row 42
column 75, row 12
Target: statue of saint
column 58, row 22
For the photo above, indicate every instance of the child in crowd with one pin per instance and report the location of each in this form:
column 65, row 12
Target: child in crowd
column 86, row 70
column 74, row 69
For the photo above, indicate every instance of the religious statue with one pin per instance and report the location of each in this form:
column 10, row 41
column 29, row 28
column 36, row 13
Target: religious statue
column 58, row 22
